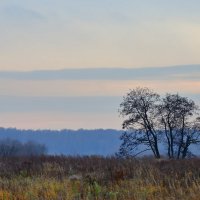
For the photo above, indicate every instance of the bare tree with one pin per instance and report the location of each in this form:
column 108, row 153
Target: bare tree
column 151, row 120
column 140, row 106
column 191, row 137
column 179, row 124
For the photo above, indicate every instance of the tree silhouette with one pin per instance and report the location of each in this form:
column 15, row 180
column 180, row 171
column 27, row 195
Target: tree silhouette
column 151, row 121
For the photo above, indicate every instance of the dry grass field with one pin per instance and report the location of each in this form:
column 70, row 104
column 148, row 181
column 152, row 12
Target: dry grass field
column 93, row 178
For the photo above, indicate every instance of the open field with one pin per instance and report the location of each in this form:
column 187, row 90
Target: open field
column 73, row 178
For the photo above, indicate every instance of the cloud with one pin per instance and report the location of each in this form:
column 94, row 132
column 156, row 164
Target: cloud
column 86, row 98
column 187, row 72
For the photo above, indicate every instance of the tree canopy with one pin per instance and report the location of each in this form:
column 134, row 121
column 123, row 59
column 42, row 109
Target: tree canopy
column 151, row 121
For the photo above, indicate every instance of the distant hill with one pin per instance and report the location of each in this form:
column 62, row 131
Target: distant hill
column 69, row 142
column 103, row 142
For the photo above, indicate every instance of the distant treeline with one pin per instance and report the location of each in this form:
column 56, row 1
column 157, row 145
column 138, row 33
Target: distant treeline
column 11, row 147
column 102, row 142
column 69, row 142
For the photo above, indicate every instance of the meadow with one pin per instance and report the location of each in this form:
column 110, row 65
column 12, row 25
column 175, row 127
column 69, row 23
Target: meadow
column 96, row 178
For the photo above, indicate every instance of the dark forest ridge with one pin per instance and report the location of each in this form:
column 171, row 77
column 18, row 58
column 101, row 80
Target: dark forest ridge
column 69, row 142
column 191, row 72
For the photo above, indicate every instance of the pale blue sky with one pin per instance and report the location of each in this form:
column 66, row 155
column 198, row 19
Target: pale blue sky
column 73, row 34
column 49, row 34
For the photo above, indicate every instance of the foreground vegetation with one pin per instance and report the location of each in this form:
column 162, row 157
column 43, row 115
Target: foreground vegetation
column 73, row 178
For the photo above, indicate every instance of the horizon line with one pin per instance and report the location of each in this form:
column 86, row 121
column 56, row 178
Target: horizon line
column 59, row 130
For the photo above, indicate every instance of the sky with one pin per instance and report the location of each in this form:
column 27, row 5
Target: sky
column 49, row 34
column 67, row 64
column 84, row 98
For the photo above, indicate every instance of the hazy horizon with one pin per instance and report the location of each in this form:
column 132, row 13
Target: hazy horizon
column 84, row 98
